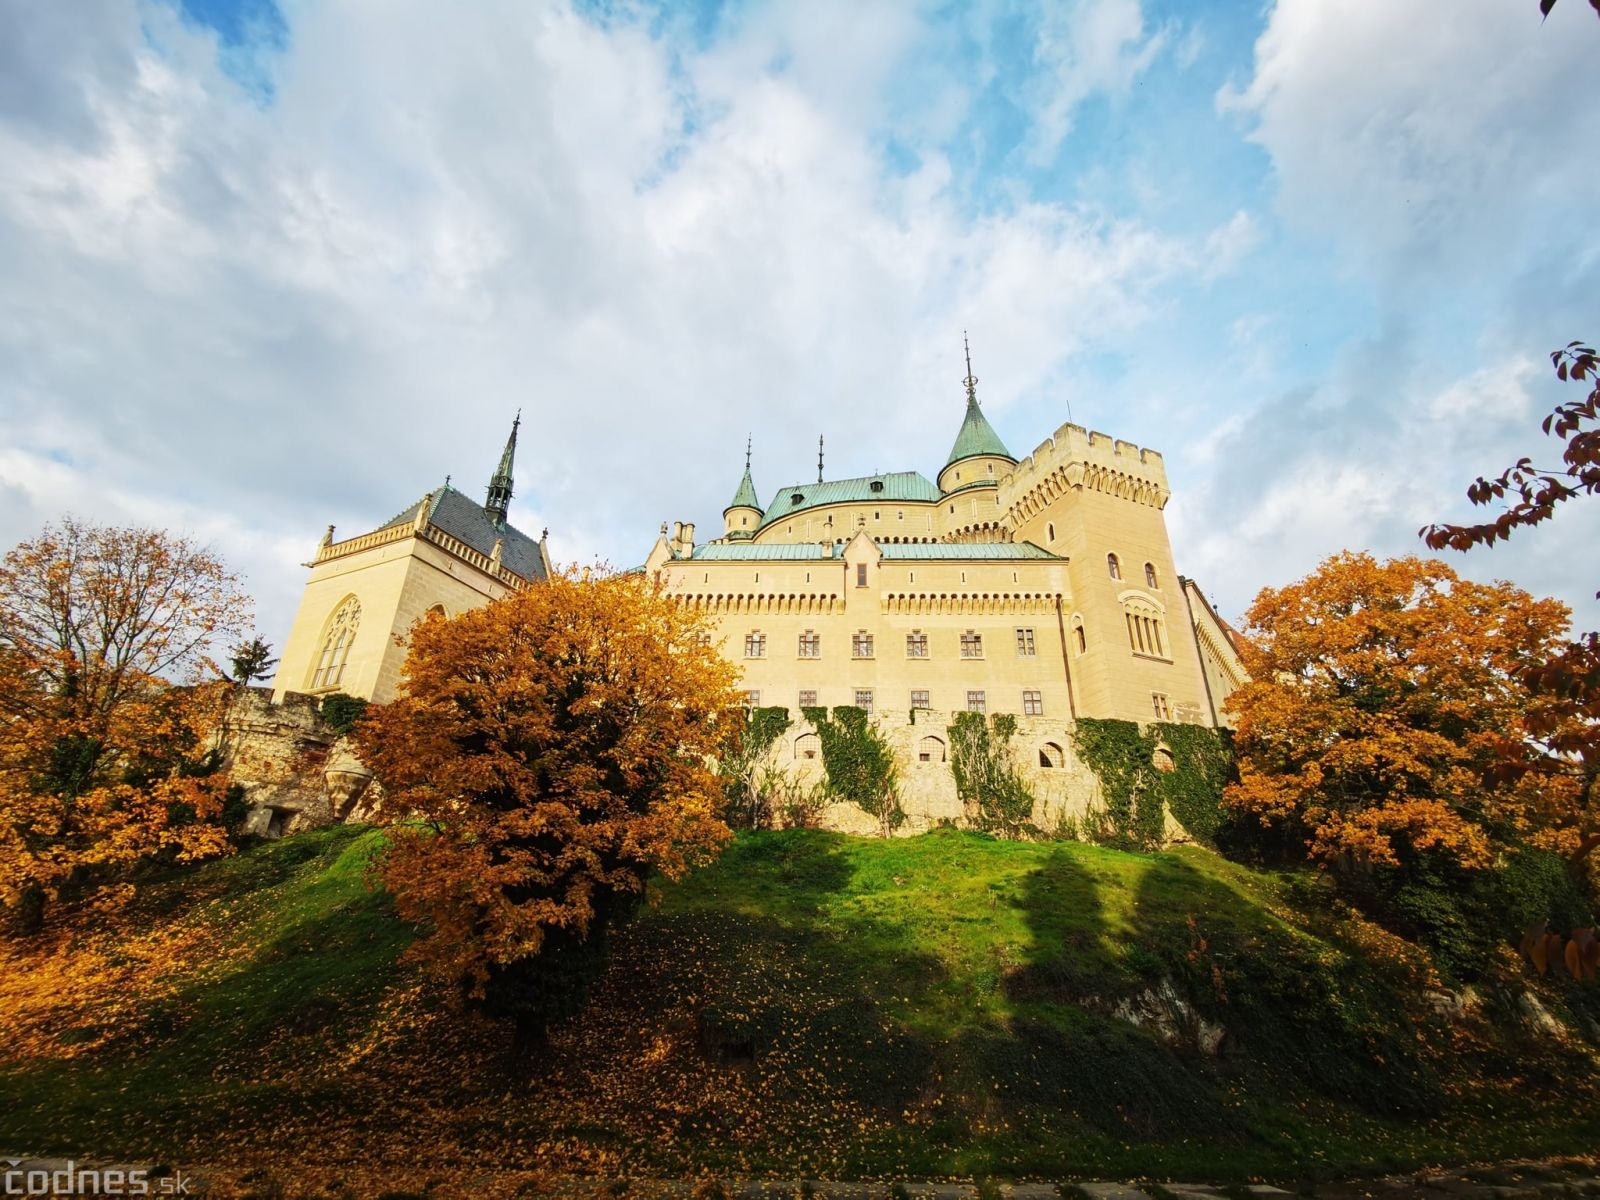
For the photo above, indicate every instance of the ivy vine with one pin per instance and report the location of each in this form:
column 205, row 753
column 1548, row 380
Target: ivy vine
column 986, row 778
column 1136, row 793
column 749, row 736
column 858, row 763
column 1202, row 765
column 1121, row 756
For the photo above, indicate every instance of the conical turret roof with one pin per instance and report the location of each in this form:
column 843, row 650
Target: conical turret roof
column 745, row 497
column 977, row 436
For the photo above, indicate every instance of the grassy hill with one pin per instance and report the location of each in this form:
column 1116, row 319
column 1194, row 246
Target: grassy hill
column 814, row 1004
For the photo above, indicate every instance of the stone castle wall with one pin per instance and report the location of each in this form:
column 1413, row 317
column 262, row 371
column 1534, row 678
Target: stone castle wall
column 927, row 786
column 298, row 773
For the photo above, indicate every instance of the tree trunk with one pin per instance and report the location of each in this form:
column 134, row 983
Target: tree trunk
column 530, row 1044
column 27, row 916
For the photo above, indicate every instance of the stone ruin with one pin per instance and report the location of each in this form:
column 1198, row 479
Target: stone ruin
column 296, row 770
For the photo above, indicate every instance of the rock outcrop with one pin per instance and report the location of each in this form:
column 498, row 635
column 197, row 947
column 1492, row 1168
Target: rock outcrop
column 297, row 772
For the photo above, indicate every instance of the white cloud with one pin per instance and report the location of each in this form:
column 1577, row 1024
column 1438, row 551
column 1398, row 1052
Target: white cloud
column 1434, row 136
column 253, row 320
column 1376, row 491
column 1090, row 48
column 1426, row 148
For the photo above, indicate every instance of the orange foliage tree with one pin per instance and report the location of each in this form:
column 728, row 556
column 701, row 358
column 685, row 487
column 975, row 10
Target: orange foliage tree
column 103, row 755
column 1561, row 740
column 547, row 752
column 1380, row 698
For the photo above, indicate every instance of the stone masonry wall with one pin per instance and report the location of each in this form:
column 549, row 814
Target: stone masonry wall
column 927, row 786
column 296, row 771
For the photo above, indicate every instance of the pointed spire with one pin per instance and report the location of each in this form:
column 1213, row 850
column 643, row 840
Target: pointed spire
column 498, row 500
column 977, row 436
column 745, row 497
column 971, row 380
column 819, row 458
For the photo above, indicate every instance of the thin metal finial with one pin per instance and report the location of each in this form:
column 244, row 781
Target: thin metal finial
column 819, row 458
column 971, row 380
column 747, row 438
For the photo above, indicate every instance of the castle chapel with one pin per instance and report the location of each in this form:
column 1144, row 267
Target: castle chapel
column 445, row 553
column 1044, row 588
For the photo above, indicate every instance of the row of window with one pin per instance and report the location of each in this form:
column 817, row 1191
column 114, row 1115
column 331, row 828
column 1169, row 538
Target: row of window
column 977, row 700
column 1114, row 566
column 863, row 643
column 1145, row 636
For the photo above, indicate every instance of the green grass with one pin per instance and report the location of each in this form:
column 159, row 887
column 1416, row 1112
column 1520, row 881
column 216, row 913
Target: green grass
column 820, row 1005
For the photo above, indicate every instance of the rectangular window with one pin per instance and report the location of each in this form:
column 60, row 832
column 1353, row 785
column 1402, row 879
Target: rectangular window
column 808, row 698
column 1032, row 704
column 861, row 574
column 916, row 644
column 810, row 644
column 919, row 699
column 1163, row 710
column 861, row 644
column 976, row 702
column 755, row 644
column 752, row 699
column 971, row 645
column 1025, row 643
column 864, row 698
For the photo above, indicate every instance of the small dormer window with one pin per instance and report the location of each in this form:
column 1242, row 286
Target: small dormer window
column 877, row 485
column 797, row 498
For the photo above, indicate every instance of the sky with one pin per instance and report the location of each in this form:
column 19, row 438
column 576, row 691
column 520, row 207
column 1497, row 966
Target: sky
column 270, row 265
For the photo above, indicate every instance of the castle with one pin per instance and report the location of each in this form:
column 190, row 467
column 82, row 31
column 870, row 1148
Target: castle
column 1044, row 588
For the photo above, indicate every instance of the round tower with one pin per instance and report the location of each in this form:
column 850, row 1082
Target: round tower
column 978, row 455
column 742, row 518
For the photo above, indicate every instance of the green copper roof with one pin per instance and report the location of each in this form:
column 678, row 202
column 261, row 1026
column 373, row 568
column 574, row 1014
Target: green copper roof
column 977, row 436
column 745, row 552
column 813, row 552
column 745, row 497
column 869, row 489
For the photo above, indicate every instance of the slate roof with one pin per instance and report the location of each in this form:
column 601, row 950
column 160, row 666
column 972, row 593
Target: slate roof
column 897, row 486
column 976, row 437
column 463, row 518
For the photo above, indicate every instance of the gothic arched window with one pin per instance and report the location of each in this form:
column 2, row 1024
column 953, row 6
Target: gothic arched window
column 1150, row 576
column 1113, row 566
column 341, row 632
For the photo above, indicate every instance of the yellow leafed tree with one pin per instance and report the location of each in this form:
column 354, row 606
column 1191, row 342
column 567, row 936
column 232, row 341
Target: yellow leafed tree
column 1383, row 695
column 547, row 752
column 105, row 712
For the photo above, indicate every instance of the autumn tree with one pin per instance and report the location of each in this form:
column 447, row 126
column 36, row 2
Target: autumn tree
column 104, row 722
column 1380, row 694
column 1560, row 742
column 547, row 753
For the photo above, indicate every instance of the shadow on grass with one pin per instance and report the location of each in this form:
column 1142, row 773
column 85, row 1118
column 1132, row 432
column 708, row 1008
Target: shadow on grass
column 1303, row 1015
column 1067, row 1049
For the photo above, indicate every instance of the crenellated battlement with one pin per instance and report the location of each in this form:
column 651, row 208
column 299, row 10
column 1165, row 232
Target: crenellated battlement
column 1076, row 457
